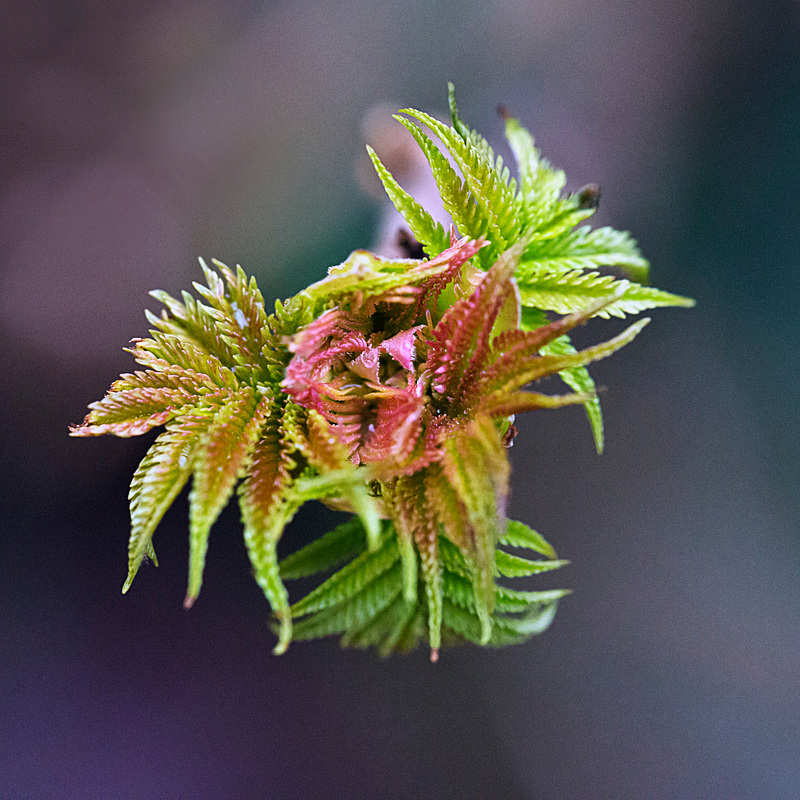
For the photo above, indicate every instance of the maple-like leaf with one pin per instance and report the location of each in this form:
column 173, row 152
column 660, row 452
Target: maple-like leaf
column 387, row 389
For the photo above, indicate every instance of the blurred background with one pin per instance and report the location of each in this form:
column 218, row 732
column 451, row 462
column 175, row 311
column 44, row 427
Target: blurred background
column 136, row 136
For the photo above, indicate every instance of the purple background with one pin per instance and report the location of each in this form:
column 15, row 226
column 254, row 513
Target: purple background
column 134, row 137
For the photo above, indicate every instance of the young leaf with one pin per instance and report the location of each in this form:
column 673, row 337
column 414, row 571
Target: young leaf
column 394, row 628
column 343, row 543
column 357, row 610
column 579, row 379
column 266, row 509
column 429, row 233
column 518, row 534
column 498, row 208
column 507, row 374
column 540, row 185
column 158, row 480
column 351, row 578
column 456, row 198
column 219, row 462
column 388, row 388
column 512, row 566
column 583, row 249
column 132, row 412
column 568, row 292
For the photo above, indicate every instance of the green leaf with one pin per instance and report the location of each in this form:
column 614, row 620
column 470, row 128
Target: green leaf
column 425, row 533
column 338, row 475
column 455, row 195
column 237, row 309
column 452, row 558
column 512, row 566
column 583, row 249
column 347, row 484
column 506, row 630
column 167, row 377
column 514, row 601
column 225, row 447
column 481, row 145
column 158, row 480
column 429, row 233
column 461, row 128
column 506, row 404
column 475, row 464
column 540, row 185
column 364, row 275
column 579, row 379
column 518, row 534
column 404, row 500
column 192, row 322
column 567, row 292
column 466, row 625
column 261, row 544
column 356, row 610
column 458, row 590
column 343, row 543
column 396, row 627
column 497, row 207
column 165, row 351
column 351, row 578
column 266, row 507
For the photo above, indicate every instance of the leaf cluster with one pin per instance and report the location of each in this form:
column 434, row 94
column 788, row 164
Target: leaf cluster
column 387, row 389
column 364, row 600
column 565, row 266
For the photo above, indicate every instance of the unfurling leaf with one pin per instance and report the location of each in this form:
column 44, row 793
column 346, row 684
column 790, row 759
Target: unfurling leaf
column 388, row 390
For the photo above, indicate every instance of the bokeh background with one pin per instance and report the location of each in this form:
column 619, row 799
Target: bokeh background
column 136, row 136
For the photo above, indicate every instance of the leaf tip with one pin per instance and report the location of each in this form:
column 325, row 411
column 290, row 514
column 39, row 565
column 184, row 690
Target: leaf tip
column 486, row 630
column 284, row 633
column 280, row 648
